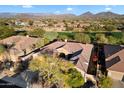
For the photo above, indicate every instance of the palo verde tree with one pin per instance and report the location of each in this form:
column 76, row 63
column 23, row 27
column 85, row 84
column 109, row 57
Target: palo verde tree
column 55, row 72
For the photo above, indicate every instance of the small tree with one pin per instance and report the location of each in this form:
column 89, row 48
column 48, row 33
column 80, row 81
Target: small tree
column 101, row 38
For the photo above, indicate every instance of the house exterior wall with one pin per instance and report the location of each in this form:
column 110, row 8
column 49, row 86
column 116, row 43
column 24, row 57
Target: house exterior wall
column 115, row 75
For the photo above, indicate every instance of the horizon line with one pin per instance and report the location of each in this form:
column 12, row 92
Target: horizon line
column 62, row 13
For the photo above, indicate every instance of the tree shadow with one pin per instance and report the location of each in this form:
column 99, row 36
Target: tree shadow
column 88, row 84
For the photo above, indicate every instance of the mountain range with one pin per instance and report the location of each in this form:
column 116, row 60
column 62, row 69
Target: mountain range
column 63, row 16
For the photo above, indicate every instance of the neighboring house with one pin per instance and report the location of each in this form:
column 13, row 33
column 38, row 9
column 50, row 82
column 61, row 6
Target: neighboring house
column 21, row 23
column 21, row 80
column 5, row 84
column 21, row 45
column 114, row 57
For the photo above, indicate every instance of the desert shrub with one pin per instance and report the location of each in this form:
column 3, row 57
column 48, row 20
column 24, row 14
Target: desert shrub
column 105, row 82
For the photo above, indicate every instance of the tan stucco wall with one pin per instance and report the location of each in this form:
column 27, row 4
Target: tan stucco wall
column 115, row 75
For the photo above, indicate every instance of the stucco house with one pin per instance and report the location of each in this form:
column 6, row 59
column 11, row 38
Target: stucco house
column 21, row 45
column 79, row 54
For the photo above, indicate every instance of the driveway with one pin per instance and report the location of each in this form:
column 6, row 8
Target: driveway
column 118, row 84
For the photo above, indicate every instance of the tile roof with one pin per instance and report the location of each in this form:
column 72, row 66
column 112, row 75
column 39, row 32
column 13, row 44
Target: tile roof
column 114, row 57
column 21, row 42
column 21, row 79
column 72, row 47
column 55, row 45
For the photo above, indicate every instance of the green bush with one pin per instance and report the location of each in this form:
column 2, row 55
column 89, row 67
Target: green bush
column 101, row 38
column 105, row 82
column 6, row 31
column 66, row 35
column 63, row 37
column 37, row 32
column 112, row 40
column 122, row 39
column 81, row 37
column 75, row 78
column 50, row 35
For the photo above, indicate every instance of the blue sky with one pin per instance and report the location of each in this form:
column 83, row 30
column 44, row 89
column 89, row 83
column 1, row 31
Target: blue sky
column 61, row 9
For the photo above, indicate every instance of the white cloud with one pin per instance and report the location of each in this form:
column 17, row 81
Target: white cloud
column 69, row 9
column 108, row 9
column 27, row 6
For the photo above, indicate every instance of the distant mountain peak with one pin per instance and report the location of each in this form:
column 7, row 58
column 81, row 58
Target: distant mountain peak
column 107, row 14
column 87, row 14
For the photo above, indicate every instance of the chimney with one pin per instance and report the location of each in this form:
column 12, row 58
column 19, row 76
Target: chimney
column 66, row 40
column 27, row 35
